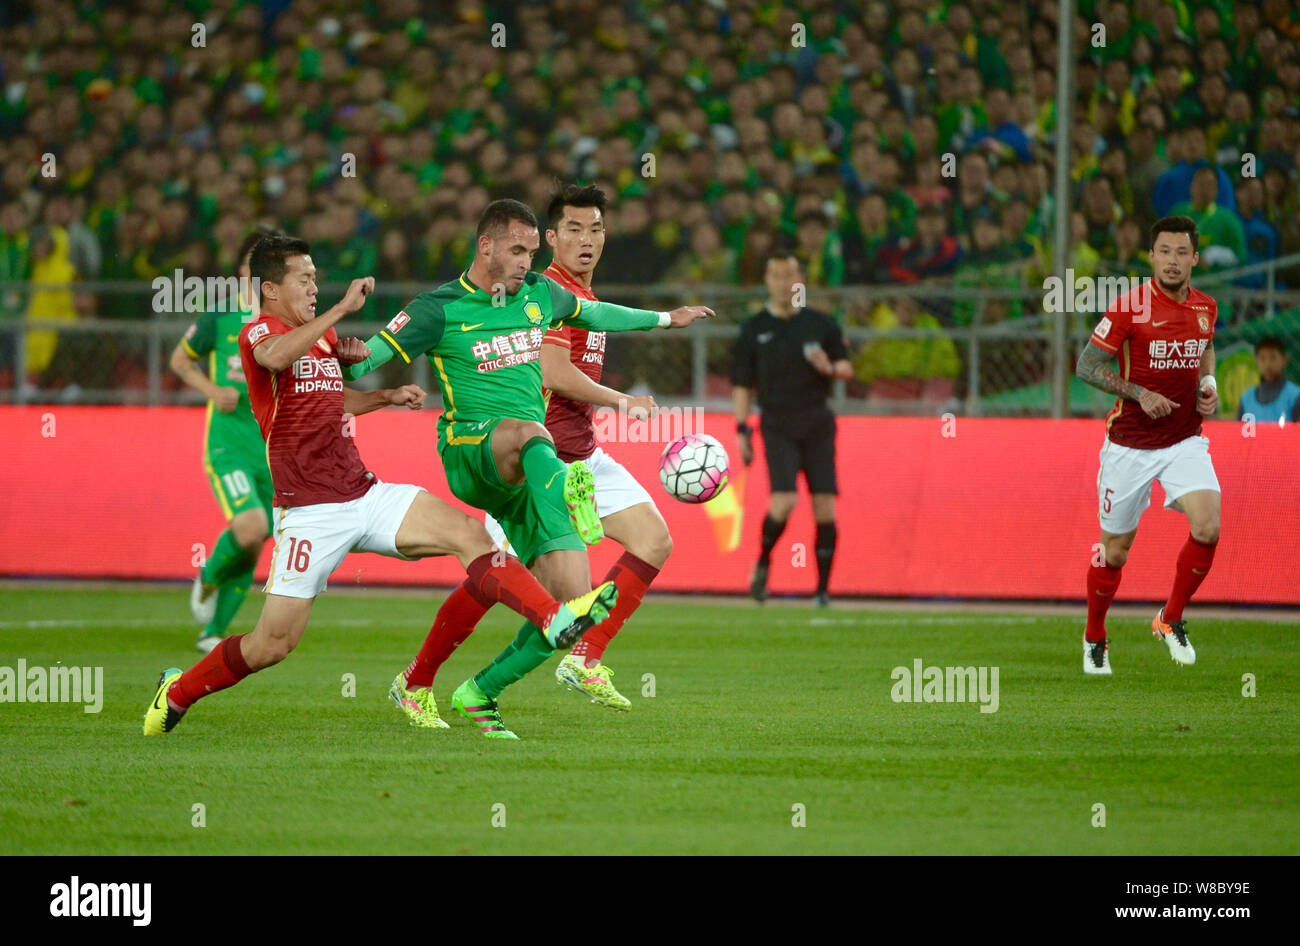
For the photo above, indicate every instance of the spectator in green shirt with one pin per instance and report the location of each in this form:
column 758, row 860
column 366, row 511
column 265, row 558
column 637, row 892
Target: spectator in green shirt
column 1222, row 236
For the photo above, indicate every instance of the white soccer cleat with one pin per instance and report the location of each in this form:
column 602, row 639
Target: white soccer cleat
column 1096, row 657
column 204, row 608
column 1174, row 634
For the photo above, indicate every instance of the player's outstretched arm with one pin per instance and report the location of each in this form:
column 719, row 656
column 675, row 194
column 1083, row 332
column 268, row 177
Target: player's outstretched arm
column 363, row 402
column 380, row 354
column 562, row 376
column 278, row 352
column 611, row 317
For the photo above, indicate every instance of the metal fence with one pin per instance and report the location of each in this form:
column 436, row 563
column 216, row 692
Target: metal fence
column 917, row 350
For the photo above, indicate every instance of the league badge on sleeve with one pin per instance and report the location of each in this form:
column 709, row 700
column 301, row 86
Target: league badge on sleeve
column 398, row 321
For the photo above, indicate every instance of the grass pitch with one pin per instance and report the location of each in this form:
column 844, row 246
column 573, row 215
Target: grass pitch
column 755, row 712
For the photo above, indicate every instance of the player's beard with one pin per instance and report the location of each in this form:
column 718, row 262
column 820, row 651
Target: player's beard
column 1173, row 288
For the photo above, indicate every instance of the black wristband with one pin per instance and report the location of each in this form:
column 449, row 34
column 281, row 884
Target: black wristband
column 744, row 428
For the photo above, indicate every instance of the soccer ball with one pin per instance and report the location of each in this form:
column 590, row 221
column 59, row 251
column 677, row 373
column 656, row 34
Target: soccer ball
column 693, row 468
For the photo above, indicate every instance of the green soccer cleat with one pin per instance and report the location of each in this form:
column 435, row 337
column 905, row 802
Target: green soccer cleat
column 591, row 681
column 160, row 718
column 474, row 705
column 579, row 615
column 419, row 705
column 580, row 497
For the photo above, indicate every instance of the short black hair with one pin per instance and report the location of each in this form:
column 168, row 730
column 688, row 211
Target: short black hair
column 1271, row 341
column 269, row 261
column 255, row 236
column 1174, row 225
column 784, row 249
column 575, row 195
column 499, row 214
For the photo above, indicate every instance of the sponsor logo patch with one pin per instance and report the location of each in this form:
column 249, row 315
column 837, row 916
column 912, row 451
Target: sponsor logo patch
column 258, row 332
column 1103, row 327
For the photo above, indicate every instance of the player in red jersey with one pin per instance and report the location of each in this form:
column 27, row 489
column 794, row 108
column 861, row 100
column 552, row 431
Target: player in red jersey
column 1163, row 336
column 572, row 362
column 328, row 503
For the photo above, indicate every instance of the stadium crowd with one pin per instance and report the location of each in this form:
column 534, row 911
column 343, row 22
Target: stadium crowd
column 891, row 142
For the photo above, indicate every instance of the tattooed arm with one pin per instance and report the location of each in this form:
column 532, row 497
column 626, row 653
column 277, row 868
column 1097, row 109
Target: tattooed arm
column 1093, row 367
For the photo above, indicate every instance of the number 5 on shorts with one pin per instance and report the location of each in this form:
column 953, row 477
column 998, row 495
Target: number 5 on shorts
column 1105, row 501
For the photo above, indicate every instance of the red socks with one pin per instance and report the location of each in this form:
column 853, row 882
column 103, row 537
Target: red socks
column 221, row 669
column 454, row 622
column 1103, row 582
column 511, row 584
column 632, row 576
column 1194, row 563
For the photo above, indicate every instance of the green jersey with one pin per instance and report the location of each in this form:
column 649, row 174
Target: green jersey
column 488, row 357
column 216, row 336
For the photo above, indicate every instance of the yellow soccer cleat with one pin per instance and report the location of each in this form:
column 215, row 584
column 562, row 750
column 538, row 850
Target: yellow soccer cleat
column 160, row 718
column 579, row 615
column 591, row 681
column 419, row 705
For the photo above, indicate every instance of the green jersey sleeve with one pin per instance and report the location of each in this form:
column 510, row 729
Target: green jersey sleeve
column 416, row 329
column 568, row 309
column 609, row 317
column 202, row 336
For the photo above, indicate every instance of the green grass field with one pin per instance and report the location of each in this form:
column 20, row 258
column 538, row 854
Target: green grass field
column 755, row 711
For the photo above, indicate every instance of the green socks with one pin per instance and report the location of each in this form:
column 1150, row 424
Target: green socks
column 229, row 597
column 227, row 561
column 544, row 472
column 528, row 651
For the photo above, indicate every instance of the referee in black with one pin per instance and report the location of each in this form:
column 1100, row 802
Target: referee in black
column 790, row 355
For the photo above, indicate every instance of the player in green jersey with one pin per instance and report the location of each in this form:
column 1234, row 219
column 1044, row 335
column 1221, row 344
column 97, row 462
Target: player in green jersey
column 234, row 457
column 483, row 334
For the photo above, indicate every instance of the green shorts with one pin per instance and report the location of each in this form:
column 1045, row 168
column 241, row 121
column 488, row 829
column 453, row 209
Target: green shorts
column 240, row 479
column 533, row 528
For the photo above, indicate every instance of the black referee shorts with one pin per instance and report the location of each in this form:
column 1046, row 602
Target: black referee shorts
column 800, row 440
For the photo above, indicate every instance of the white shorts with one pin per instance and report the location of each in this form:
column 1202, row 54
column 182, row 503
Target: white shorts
column 1126, row 474
column 311, row 541
column 616, row 490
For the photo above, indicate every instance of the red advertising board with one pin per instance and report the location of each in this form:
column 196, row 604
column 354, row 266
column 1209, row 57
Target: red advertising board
column 964, row 509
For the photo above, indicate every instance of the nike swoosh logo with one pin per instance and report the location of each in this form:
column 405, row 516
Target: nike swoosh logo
column 1101, row 593
column 240, row 502
column 552, row 479
column 467, row 328
column 1158, row 324
column 162, row 692
column 1197, row 571
column 287, row 580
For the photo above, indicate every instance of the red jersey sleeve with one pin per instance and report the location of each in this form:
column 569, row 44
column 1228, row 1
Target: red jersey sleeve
column 1116, row 325
column 558, row 336
column 258, row 331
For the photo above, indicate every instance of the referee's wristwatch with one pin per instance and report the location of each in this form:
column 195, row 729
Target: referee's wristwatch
column 743, row 428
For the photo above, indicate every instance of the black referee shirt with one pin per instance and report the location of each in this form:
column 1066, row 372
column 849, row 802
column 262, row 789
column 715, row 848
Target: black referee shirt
column 769, row 356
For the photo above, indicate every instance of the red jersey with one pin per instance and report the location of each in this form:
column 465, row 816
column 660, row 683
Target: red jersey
column 1159, row 346
column 300, row 413
column 571, row 422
